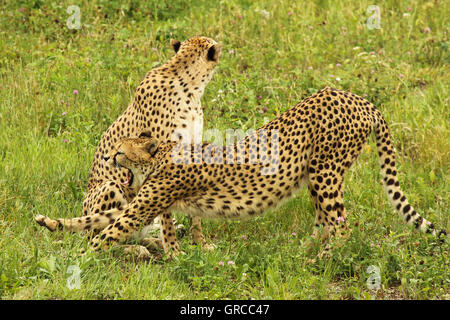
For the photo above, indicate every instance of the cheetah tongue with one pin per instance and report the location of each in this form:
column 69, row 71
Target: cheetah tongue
column 129, row 178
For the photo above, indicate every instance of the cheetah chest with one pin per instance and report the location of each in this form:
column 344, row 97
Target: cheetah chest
column 189, row 125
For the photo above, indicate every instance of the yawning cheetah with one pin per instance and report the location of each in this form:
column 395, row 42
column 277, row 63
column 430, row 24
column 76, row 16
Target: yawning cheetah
column 166, row 104
column 314, row 143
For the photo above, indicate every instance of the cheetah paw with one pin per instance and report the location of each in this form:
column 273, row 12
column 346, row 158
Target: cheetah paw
column 138, row 252
column 174, row 254
column 152, row 243
column 46, row 222
column 208, row 246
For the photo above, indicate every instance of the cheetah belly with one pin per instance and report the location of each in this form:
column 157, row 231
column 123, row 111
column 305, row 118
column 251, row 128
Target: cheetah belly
column 200, row 207
column 147, row 230
column 194, row 208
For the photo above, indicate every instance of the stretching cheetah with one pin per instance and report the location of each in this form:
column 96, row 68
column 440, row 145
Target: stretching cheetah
column 314, row 143
column 166, row 104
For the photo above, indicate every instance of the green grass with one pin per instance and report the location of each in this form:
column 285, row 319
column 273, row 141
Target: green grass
column 268, row 65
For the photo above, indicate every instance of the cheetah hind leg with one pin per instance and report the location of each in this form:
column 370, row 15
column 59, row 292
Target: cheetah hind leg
column 331, row 216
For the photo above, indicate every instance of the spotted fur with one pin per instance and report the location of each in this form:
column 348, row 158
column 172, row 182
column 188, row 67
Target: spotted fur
column 314, row 143
column 166, row 105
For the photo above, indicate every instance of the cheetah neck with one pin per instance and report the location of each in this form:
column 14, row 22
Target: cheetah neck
column 195, row 77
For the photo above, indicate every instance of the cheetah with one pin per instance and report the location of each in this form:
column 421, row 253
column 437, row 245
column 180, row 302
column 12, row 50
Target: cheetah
column 312, row 144
column 166, row 104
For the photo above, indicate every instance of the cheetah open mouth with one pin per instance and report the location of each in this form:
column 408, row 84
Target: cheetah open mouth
column 130, row 178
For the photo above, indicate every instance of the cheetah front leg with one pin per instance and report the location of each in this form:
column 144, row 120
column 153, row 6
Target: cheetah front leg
column 112, row 195
column 168, row 233
column 107, row 196
column 147, row 205
column 126, row 224
column 197, row 234
column 98, row 221
column 95, row 222
column 101, row 207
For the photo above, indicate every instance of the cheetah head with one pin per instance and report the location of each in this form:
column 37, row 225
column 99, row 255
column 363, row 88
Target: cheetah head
column 138, row 155
column 201, row 54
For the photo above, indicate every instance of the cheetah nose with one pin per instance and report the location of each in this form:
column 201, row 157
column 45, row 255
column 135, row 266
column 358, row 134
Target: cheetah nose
column 105, row 158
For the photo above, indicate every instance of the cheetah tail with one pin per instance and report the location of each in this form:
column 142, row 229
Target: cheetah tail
column 391, row 184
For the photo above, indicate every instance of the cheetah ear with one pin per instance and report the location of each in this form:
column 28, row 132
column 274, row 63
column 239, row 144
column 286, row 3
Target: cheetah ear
column 145, row 134
column 175, row 45
column 214, row 52
column 152, row 146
